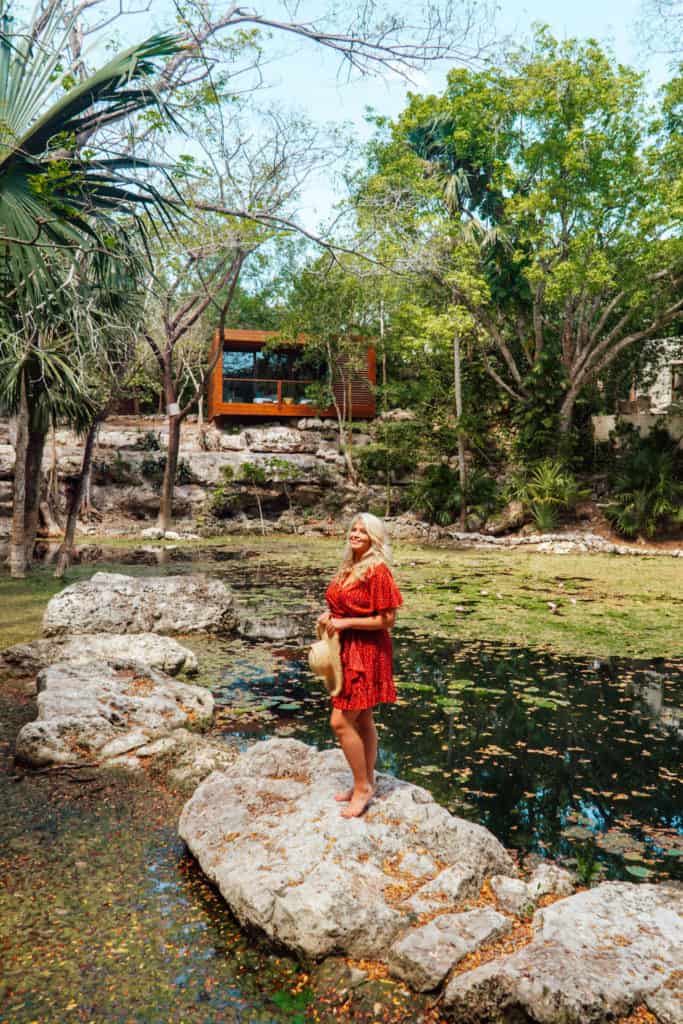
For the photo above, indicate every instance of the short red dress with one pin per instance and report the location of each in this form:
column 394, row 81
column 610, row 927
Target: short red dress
column 366, row 654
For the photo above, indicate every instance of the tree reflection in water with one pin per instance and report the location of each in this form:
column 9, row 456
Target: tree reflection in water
column 576, row 758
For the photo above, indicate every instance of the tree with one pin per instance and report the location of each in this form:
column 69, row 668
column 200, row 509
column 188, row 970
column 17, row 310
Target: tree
column 551, row 152
column 661, row 26
column 199, row 267
column 332, row 308
column 60, row 211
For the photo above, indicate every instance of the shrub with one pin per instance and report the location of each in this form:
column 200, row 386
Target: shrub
column 647, row 484
column 148, row 442
column 118, row 471
column 436, row 495
column 546, row 490
column 153, row 469
column 376, row 461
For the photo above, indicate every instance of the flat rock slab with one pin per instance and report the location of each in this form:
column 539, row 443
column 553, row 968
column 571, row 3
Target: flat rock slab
column 114, row 603
column 424, row 956
column 270, row 835
column 518, row 897
column 160, row 652
column 104, row 711
column 593, row 958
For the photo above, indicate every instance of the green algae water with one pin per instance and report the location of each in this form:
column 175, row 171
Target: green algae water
column 574, row 754
column 578, row 759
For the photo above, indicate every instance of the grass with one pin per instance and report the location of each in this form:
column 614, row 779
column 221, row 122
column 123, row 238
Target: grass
column 605, row 604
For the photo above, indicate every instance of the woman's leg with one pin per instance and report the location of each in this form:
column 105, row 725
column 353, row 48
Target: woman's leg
column 365, row 725
column 344, row 726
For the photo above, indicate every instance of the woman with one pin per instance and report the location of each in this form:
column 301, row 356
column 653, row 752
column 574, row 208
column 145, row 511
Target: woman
column 362, row 601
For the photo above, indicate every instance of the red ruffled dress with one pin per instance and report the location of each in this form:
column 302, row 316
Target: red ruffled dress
column 366, row 654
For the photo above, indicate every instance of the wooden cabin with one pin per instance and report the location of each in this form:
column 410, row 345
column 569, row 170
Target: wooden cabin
column 253, row 380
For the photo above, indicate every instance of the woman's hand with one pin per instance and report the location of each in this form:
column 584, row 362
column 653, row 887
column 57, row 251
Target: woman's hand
column 324, row 618
column 335, row 625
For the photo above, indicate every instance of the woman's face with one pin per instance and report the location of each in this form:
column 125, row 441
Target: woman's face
column 359, row 540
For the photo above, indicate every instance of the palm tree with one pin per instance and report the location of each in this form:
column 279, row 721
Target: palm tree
column 62, row 209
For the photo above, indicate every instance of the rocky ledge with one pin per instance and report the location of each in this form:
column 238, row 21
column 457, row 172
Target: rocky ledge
column 160, row 652
column 436, row 899
column 114, row 603
column 269, row 834
column 119, row 713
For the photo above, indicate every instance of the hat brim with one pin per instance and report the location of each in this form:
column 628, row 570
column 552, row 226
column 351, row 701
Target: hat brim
column 324, row 659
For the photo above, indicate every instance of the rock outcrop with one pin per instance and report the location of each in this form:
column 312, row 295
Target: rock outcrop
column 114, row 603
column 518, row 897
column 160, row 652
column 269, row 834
column 106, row 712
column 593, row 957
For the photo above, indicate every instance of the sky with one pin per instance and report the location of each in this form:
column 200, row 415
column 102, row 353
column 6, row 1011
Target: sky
column 306, row 78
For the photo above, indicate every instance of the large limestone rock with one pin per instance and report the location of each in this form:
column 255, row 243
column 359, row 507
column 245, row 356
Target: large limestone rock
column 269, row 834
column 424, row 956
column 184, row 758
column 274, row 627
column 593, row 958
column 282, row 440
column 160, row 652
column 518, row 897
column 114, row 603
column 104, row 711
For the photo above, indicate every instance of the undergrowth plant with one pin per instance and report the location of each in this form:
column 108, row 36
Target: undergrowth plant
column 437, row 494
column 646, row 484
column 546, row 490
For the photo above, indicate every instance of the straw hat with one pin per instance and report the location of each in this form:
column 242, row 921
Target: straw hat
column 324, row 658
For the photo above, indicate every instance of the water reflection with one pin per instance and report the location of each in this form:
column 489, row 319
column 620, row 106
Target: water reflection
column 573, row 757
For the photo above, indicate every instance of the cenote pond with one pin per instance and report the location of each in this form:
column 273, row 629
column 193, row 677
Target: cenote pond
column 561, row 752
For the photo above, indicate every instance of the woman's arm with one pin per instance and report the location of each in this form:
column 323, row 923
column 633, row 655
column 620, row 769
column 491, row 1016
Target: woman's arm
column 384, row 620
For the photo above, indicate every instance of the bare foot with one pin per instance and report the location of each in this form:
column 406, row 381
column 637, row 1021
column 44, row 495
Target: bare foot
column 359, row 801
column 344, row 796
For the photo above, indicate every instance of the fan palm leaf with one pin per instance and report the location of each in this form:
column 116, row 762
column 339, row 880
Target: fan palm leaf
column 57, row 202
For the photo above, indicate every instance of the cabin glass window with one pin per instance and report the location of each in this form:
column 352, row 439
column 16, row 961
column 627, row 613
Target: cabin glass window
column 272, row 364
column 238, row 364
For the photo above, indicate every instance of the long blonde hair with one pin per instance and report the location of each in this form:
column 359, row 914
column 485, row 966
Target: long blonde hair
column 379, row 552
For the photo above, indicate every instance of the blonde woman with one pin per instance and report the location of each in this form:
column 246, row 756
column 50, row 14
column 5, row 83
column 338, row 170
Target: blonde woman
column 362, row 600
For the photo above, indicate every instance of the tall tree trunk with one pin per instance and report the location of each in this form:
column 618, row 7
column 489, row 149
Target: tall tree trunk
column 66, row 549
column 341, row 415
column 567, row 412
column 17, row 548
column 34, row 487
column 387, row 467
column 168, row 485
column 462, row 468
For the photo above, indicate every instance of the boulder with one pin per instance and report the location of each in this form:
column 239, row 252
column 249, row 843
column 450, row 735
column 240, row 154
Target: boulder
column 104, row 710
column 269, row 834
column 518, row 897
column 160, row 652
column 310, row 423
column 511, row 518
column 424, row 956
column 512, row 894
column 273, row 627
column 185, row 758
column 281, row 439
column 139, row 502
column 114, row 603
column 549, row 879
column 152, row 533
column 594, row 957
